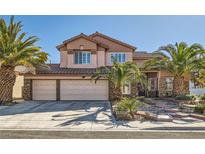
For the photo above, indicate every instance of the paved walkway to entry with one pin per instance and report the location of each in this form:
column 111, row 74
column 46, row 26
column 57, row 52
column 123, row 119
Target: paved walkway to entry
column 82, row 115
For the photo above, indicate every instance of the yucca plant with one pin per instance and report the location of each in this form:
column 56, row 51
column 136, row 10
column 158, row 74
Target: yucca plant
column 16, row 50
column 130, row 105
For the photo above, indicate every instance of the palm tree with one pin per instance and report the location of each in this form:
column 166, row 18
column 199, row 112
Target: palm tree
column 180, row 60
column 16, row 50
column 119, row 74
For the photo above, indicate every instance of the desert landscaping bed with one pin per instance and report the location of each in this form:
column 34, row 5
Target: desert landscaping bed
column 161, row 109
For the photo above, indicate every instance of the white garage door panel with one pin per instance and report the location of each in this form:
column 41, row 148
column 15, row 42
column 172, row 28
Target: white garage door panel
column 44, row 89
column 84, row 90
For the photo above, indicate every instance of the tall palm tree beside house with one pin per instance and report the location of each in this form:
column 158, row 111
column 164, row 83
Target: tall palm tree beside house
column 16, row 50
column 180, row 60
column 119, row 74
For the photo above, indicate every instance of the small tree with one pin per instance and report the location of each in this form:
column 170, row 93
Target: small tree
column 129, row 105
column 118, row 74
column 16, row 50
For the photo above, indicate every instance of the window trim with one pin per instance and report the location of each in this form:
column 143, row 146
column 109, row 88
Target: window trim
column 129, row 89
column 85, row 61
column 116, row 54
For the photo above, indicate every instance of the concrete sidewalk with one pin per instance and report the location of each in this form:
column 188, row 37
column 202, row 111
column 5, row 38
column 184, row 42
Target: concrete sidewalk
column 52, row 134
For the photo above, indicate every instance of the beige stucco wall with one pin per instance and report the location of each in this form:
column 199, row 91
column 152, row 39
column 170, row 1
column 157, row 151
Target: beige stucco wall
column 17, row 89
column 165, row 74
column 100, row 58
column 81, row 42
column 168, row 74
column 139, row 62
column 63, row 59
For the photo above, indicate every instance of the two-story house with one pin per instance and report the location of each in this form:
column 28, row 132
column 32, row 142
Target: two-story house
column 80, row 56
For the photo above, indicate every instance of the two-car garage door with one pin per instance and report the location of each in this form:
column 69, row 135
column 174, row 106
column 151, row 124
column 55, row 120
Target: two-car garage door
column 83, row 90
column 70, row 90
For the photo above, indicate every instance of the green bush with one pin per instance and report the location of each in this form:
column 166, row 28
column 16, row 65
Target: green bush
column 129, row 105
column 203, row 97
column 185, row 97
column 199, row 108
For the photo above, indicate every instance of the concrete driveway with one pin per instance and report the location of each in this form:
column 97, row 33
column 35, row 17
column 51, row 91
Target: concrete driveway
column 81, row 115
column 57, row 115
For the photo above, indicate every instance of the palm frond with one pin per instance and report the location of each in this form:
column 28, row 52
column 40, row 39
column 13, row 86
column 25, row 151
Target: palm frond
column 16, row 49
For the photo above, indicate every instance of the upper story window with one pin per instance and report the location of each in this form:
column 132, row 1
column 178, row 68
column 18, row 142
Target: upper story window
column 119, row 57
column 82, row 57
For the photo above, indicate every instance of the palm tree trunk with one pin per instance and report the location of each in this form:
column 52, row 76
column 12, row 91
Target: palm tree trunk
column 7, row 81
column 178, row 86
column 117, row 93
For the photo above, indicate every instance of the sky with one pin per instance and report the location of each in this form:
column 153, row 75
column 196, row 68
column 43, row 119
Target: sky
column 147, row 33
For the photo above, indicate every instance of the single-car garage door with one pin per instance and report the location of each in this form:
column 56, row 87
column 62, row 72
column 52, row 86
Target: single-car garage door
column 83, row 90
column 44, row 89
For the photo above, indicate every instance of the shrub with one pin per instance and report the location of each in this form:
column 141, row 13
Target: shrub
column 129, row 105
column 203, row 97
column 185, row 97
column 200, row 108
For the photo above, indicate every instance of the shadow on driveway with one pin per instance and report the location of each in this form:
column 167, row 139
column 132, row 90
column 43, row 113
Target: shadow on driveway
column 62, row 114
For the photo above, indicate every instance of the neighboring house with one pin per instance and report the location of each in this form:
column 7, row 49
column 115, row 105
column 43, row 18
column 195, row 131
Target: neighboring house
column 80, row 56
column 196, row 89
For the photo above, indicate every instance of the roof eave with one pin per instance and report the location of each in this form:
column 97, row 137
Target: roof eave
column 115, row 40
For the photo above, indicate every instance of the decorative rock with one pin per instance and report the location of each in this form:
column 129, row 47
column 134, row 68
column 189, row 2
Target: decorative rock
column 151, row 116
column 180, row 114
column 187, row 108
column 164, row 118
column 190, row 119
column 143, row 113
column 172, row 110
column 147, row 115
column 198, row 116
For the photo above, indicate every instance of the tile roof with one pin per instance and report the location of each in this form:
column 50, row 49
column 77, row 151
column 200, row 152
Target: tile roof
column 112, row 39
column 143, row 54
column 55, row 69
column 82, row 36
